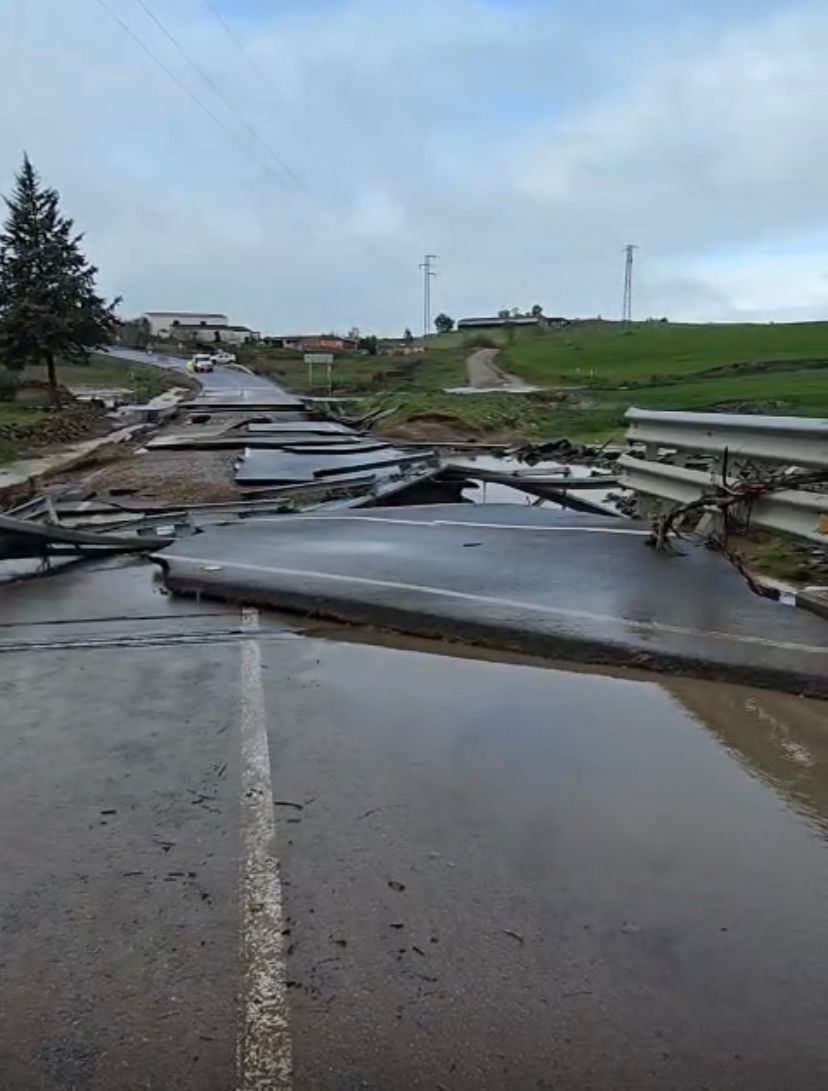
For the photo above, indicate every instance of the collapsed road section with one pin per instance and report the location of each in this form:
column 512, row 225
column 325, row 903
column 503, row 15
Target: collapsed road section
column 243, row 824
column 279, row 443
column 296, row 513
column 544, row 582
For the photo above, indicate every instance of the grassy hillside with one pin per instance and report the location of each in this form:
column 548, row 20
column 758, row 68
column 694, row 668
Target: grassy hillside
column 605, row 367
column 590, row 372
column 603, row 353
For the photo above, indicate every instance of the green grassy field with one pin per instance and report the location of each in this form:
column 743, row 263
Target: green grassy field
column 798, row 393
column 780, row 369
column 147, row 381
column 144, row 380
column 791, row 393
column 500, row 416
column 604, row 366
column 603, row 353
column 431, row 371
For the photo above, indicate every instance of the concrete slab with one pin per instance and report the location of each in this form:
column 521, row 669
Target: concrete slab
column 544, row 582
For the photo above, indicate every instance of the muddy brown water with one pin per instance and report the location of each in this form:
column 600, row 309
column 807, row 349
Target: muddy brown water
column 625, row 877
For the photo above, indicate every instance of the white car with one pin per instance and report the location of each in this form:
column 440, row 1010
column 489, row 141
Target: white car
column 203, row 363
column 224, row 357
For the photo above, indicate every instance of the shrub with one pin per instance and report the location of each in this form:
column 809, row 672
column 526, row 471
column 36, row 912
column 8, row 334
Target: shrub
column 9, row 384
column 480, row 341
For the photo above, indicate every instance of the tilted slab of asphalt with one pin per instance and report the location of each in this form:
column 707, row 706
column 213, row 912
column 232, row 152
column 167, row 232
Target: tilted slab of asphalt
column 317, row 427
column 266, row 467
column 245, row 432
column 235, row 399
column 549, row 583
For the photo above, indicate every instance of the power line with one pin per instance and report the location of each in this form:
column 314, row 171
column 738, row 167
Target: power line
column 231, row 34
column 172, row 75
column 248, row 55
column 251, row 58
column 211, row 83
column 202, row 106
column 629, row 250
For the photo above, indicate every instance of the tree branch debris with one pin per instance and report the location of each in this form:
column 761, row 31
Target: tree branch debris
column 721, row 498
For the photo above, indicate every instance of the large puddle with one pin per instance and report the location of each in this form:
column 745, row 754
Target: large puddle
column 492, row 492
column 628, row 873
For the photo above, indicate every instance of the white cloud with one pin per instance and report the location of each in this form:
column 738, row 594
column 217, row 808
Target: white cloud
column 517, row 142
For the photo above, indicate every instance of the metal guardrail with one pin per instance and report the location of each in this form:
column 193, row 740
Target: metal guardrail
column 794, row 441
column 791, row 441
column 801, row 514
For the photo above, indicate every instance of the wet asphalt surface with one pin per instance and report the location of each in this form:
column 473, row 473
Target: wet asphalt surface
column 222, row 380
column 538, row 580
column 495, row 874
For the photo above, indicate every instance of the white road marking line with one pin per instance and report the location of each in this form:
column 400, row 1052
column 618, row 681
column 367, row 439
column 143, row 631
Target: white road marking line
column 455, row 523
column 265, row 1057
column 492, row 600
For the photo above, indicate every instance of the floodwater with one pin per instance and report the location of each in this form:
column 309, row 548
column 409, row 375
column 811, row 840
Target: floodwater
column 490, row 492
column 609, row 882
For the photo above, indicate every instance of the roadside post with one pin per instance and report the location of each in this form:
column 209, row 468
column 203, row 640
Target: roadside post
column 325, row 358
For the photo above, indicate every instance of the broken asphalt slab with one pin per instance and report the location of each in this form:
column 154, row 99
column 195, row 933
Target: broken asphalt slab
column 271, row 441
column 273, row 467
column 255, row 433
column 543, row 582
column 231, row 401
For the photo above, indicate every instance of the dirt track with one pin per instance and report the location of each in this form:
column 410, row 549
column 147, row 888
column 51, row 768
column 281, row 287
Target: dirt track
column 483, row 372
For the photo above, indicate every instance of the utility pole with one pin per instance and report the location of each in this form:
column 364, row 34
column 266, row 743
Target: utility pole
column 629, row 250
column 428, row 273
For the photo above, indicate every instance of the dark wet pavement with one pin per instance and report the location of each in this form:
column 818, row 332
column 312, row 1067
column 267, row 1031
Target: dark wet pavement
column 233, row 381
column 119, row 957
column 500, row 875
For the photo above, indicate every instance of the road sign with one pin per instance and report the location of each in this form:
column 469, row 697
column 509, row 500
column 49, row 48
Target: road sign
column 325, row 358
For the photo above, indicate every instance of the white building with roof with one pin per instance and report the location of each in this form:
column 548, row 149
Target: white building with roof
column 201, row 328
column 163, row 323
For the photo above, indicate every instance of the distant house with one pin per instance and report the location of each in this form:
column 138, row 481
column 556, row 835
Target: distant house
column 398, row 346
column 198, row 328
column 213, row 333
column 494, row 322
column 318, row 342
column 163, row 323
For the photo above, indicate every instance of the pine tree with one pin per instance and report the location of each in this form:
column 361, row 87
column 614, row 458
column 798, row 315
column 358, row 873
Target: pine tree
column 49, row 309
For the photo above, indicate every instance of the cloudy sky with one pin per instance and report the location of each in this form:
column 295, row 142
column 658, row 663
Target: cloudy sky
column 297, row 158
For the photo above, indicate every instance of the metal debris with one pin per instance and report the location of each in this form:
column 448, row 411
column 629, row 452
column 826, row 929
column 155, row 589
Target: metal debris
column 27, row 538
